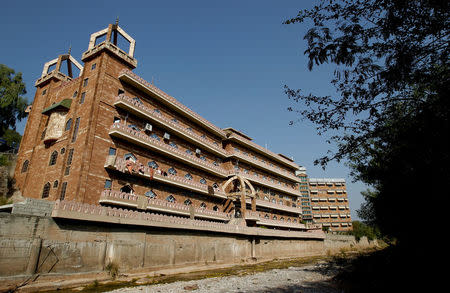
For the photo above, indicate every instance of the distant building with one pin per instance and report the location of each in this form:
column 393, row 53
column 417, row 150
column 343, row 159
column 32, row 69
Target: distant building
column 329, row 203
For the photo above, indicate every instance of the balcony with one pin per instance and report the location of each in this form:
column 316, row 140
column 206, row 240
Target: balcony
column 138, row 82
column 140, row 202
column 124, row 132
column 275, row 206
column 140, row 170
column 255, row 216
column 268, row 183
column 142, row 111
column 278, row 172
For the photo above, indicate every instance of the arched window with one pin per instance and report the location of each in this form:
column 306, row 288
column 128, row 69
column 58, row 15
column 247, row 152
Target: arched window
column 134, row 127
column 55, row 184
column 188, row 202
column 203, row 181
column 68, row 124
column 127, row 189
column 266, row 198
column 25, row 166
column 170, row 198
column 215, row 208
column 188, row 176
column 153, row 164
column 282, row 219
column 266, row 216
column 203, row 205
column 46, row 190
column 215, row 185
column 203, row 158
column 53, row 158
column 189, row 152
column 131, row 157
column 174, row 120
column 172, row 171
column 154, row 136
column 172, row 144
column 137, row 100
column 150, row 194
column 274, row 218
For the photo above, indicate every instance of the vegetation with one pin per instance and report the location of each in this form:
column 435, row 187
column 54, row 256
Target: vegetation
column 390, row 116
column 12, row 102
column 362, row 230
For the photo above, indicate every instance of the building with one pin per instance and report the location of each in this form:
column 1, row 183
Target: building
column 304, row 200
column 329, row 203
column 109, row 137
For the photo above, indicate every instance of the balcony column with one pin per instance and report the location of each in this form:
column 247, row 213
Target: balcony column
column 253, row 202
column 243, row 203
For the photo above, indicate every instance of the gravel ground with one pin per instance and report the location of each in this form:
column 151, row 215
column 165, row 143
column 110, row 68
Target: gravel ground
column 313, row 278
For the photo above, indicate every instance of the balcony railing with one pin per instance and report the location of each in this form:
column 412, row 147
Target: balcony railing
column 140, row 170
column 260, row 220
column 140, row 138
column 155, row 204
column 266, row 166
column 275, row 206
column 136, row 80
column 141, row 110
column 86, row 212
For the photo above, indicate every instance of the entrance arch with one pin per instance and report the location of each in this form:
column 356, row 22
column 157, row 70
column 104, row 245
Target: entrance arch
column 239, row 190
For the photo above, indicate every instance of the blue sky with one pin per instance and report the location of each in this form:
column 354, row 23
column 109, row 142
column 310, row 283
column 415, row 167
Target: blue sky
column 226, row 60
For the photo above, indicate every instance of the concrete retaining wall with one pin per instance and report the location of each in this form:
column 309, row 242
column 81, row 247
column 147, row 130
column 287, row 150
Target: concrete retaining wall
column 32, row 244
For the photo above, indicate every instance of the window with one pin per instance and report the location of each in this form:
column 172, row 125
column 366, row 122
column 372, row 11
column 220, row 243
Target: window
column 44, row 92
column 75, row 131
column 215, row 185
column 188, row 202
column 189, row 152
column 203, row 181
column 120, row 92
column 116, row 120
column 215, row 163
column 112, row 151
column 134, row 127
column 46, row 190
column 188, row 176
column 53, row 158
column 203, row 205
column 85, row 82
column 63, row 191
column 172, row 171
column 170, row 198
column 215, row 208
column 25, row 166
column 203, row 158
column 131, row 157
column 108, row 184
column 68, row 124
column 157, row 111
column 93, row 66
column 266, row 216
column 83, row 95
column 150, row 194
column 75, row 94
column 63, row 151
column 189, row 129
column 174, row 120
column 274, row 218
column 126, row 189
column 174, row 145
column 55, row 184
column 70, row 157
column 153, row 164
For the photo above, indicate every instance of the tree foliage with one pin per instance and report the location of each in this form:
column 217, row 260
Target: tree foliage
column 12, row 102
column 391, row 113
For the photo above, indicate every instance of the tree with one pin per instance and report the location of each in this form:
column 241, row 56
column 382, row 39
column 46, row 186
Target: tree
column 12, row 102
column 391, row 113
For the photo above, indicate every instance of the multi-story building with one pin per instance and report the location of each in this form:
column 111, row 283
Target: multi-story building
column 329, row 203
column 304, row 200
column 109, row 137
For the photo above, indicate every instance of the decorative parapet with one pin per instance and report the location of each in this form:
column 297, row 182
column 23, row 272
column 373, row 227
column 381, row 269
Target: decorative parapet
column 123, row 131
column 275, row 206
column 138, row 169
column 54, row 74
column 141, row 110
column 134, row 79
column 144, row 203
column 265, row 151
column 112, row 48
column 266, row 166
column 86, row 212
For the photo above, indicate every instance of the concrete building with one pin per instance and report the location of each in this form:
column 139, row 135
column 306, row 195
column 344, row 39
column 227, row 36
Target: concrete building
column 108, row 137
column 329, row 203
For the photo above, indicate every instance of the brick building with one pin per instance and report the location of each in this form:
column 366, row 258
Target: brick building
column 108, row 137
column 329, row 203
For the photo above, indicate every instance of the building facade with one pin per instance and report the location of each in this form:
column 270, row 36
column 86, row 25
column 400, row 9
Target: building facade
column 329, row 203
column 109, row 137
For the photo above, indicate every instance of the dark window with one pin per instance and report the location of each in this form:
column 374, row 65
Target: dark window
column 127, row 189
column 112, row 151
column 63, row 151
column 70, row 157
column 44, row 92
column 172, row 171
column 93, row 66
column 188, row 202
column 215, row 208
column 68, row 124
column 46, row 190
column 150, row 194
column 55, row 184
column 203, row 181
column 83, row 95
column 67, row 171
column 119, row 92
column 25, row 166
column 85, row 81
column 75, row 94
column 153, row 164
column 188, row 176
column 63, row 191
column 108, row 183
column 170, row 198
column 75, row 131
column 53, row 158
column 116, row 120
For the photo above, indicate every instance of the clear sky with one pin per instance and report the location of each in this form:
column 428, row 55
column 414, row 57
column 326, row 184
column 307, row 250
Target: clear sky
column 226, row 60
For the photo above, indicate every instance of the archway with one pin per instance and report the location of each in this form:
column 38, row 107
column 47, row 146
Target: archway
column 238, row 189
